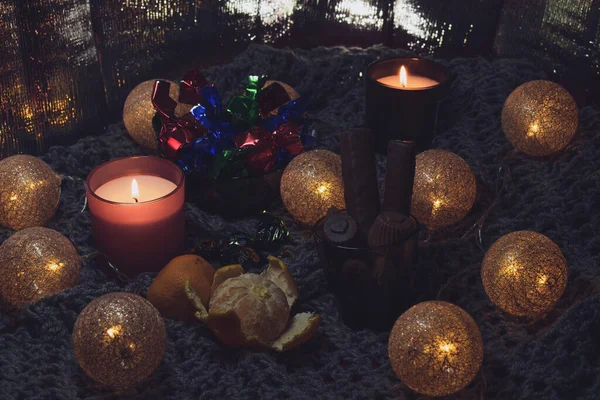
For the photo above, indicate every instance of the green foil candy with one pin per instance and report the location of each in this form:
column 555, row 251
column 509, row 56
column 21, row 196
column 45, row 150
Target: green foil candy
column 244, row 109
column 229, row 163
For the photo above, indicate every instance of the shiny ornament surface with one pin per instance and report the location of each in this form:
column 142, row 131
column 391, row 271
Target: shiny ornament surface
column 29, row 192
column 540, row 118
column 524, row 273
column 138, row 112
column 311, row 184
column 119, row 339
column 444, row 189
column 34, row 263
column 435, row 348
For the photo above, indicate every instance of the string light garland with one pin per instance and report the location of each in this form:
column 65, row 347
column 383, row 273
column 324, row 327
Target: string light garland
column 540, row 118
column 311, row 184
column 138, row 112
column 444, row 189
column 119, row 339
column 29, row 192
column 435, row 348
column 34, row 263
column 524, row 273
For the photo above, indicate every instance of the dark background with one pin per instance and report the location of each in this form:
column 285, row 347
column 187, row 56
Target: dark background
column 66, row 66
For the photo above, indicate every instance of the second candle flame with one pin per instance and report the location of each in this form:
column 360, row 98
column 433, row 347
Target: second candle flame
column 135, row 191
column 403, row 78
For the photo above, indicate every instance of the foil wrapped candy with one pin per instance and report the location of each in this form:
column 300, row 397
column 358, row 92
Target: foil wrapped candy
column 258, row 131
column 245, row 249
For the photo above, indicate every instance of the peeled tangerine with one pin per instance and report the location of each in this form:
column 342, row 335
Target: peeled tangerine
column 250, row 310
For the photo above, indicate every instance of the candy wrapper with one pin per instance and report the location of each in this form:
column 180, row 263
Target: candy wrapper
column 241, row 248
column 255, row 133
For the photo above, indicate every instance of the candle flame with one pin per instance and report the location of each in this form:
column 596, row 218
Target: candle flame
column 403, row 77
column 135, row 191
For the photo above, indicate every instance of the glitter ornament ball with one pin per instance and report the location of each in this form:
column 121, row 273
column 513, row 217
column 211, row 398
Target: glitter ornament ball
column 119, row 339
column 435, row 348
column 311, row 184
column 524, row 273
column 444, row 190
column 540, row 118
column 29, row 192
column 139, row 111
column 34, row 263
column 288, row 89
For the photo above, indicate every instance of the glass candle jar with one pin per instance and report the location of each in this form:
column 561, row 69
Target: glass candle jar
column 402, row 96
column 138, row 226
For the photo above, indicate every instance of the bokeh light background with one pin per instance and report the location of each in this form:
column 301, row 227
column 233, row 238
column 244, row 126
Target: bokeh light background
column 66, row 66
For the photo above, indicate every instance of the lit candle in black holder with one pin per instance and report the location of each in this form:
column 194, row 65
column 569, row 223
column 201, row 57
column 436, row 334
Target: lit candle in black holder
column 402, row 95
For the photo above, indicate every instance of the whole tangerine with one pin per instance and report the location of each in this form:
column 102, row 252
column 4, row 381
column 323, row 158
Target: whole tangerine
column 168, row 290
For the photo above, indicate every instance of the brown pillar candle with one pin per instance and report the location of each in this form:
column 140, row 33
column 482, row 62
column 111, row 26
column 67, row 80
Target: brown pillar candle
column 399, row 176
column 360, row 177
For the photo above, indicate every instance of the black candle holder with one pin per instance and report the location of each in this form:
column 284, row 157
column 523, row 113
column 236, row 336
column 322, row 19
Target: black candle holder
column 373, row 285
column 404, row 113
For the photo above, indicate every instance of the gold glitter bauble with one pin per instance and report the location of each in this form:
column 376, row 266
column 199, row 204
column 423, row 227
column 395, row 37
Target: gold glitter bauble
column 34, row 263
column 524, row 273
column 311, row 184
column 139, row 111
column 435, row 348
column 444, row 190
column 29, row 192
column 540, row 118
column 119, row 339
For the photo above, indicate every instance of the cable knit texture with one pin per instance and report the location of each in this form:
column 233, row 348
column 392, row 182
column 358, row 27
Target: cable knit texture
column 555, row 357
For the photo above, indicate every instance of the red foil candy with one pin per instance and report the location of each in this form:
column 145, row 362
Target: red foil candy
column 251, row 138
column 175, row 132
column 262, row 158
column 189, row 86
column 267, row 145
column 287, row 136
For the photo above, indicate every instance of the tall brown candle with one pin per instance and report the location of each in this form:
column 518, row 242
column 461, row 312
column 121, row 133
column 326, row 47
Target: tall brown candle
column 360, row 177
column 399, row 176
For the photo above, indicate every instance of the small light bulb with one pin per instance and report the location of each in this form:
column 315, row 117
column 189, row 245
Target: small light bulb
column 113, row 331
column 447, row 347
column 322, row 189
column 533, row 129
column 53, row 266
column 436, row 206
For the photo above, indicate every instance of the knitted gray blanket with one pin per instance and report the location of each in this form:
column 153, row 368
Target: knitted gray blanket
column 555, row 357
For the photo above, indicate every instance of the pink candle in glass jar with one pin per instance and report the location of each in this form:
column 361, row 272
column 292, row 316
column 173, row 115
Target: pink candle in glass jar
column 136, row 206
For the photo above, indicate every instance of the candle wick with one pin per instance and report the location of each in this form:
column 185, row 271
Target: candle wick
column 136, row 200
